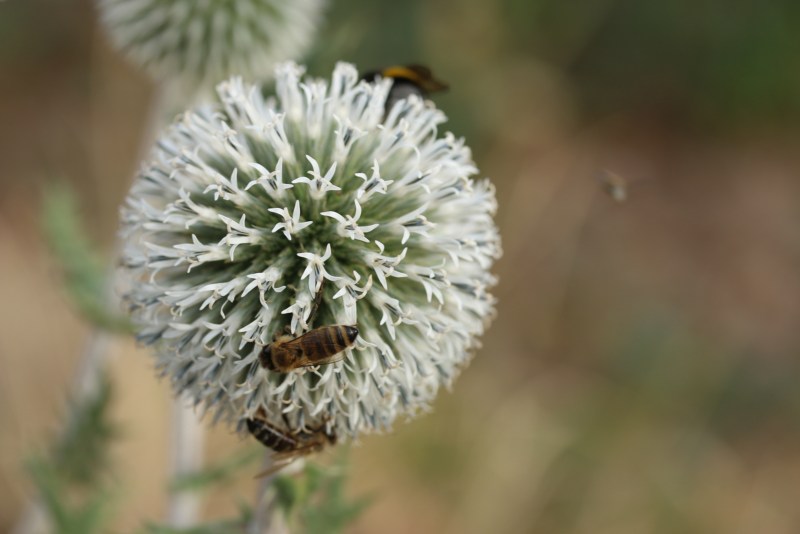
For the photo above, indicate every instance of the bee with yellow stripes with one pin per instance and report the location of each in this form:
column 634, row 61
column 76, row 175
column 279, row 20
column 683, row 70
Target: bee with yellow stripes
column 287, row 446
column 319, row 346
column 407, row 80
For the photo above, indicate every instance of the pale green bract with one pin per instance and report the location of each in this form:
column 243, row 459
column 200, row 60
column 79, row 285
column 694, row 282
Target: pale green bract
column 249, row 207
column 194, row 44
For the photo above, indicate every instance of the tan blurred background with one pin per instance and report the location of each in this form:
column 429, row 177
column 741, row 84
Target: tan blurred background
column 641, row 375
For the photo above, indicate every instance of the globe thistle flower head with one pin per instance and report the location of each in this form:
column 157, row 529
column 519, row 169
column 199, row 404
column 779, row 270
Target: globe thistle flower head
column 259, row 217
column 194, row 44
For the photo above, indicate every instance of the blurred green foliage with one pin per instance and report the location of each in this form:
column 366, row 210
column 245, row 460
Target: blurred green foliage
column 710, row 61
column 85, row 274
column 315, row 503
column 226, row 526
column 72, row 479
column 68, row 513
column 707, row 64
column 220, row 473
column 81, row 454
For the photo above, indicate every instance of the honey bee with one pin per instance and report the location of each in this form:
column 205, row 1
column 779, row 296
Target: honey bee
column 319, row 346
column 407, row 80
column 288, row 445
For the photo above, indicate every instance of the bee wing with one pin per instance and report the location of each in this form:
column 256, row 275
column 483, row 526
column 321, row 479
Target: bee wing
column 308, row 362
column 284, row 459
column 275, row 467
column 316, row 348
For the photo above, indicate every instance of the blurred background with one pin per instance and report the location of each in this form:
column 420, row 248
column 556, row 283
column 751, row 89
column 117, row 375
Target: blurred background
column 641, row 375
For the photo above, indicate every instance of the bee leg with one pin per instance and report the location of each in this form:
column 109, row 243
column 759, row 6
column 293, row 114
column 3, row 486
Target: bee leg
column 315, row 306
column 323, row 429
column 285, row 418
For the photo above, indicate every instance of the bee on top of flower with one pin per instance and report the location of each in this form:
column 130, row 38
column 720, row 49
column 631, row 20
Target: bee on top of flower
column 310, row 260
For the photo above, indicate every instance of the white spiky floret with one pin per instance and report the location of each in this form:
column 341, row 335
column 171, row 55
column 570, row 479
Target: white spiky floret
column 194, row 44
column 250, row 209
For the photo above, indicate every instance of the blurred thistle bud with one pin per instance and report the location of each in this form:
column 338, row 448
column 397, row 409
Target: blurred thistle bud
column 253, row 213
column 191, row 45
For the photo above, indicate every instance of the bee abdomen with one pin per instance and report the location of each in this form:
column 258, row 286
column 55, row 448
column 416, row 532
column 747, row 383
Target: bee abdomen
column 270, row 437
column 341, row 337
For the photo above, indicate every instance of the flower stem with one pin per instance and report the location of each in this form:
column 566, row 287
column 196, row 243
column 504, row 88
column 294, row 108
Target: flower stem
column 265, row 519
column 186, row 457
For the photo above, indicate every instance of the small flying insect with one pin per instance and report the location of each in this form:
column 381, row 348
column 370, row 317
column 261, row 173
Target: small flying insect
column 614, row 185
column 407, row 80
column 320, row 346
column 288, row 445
